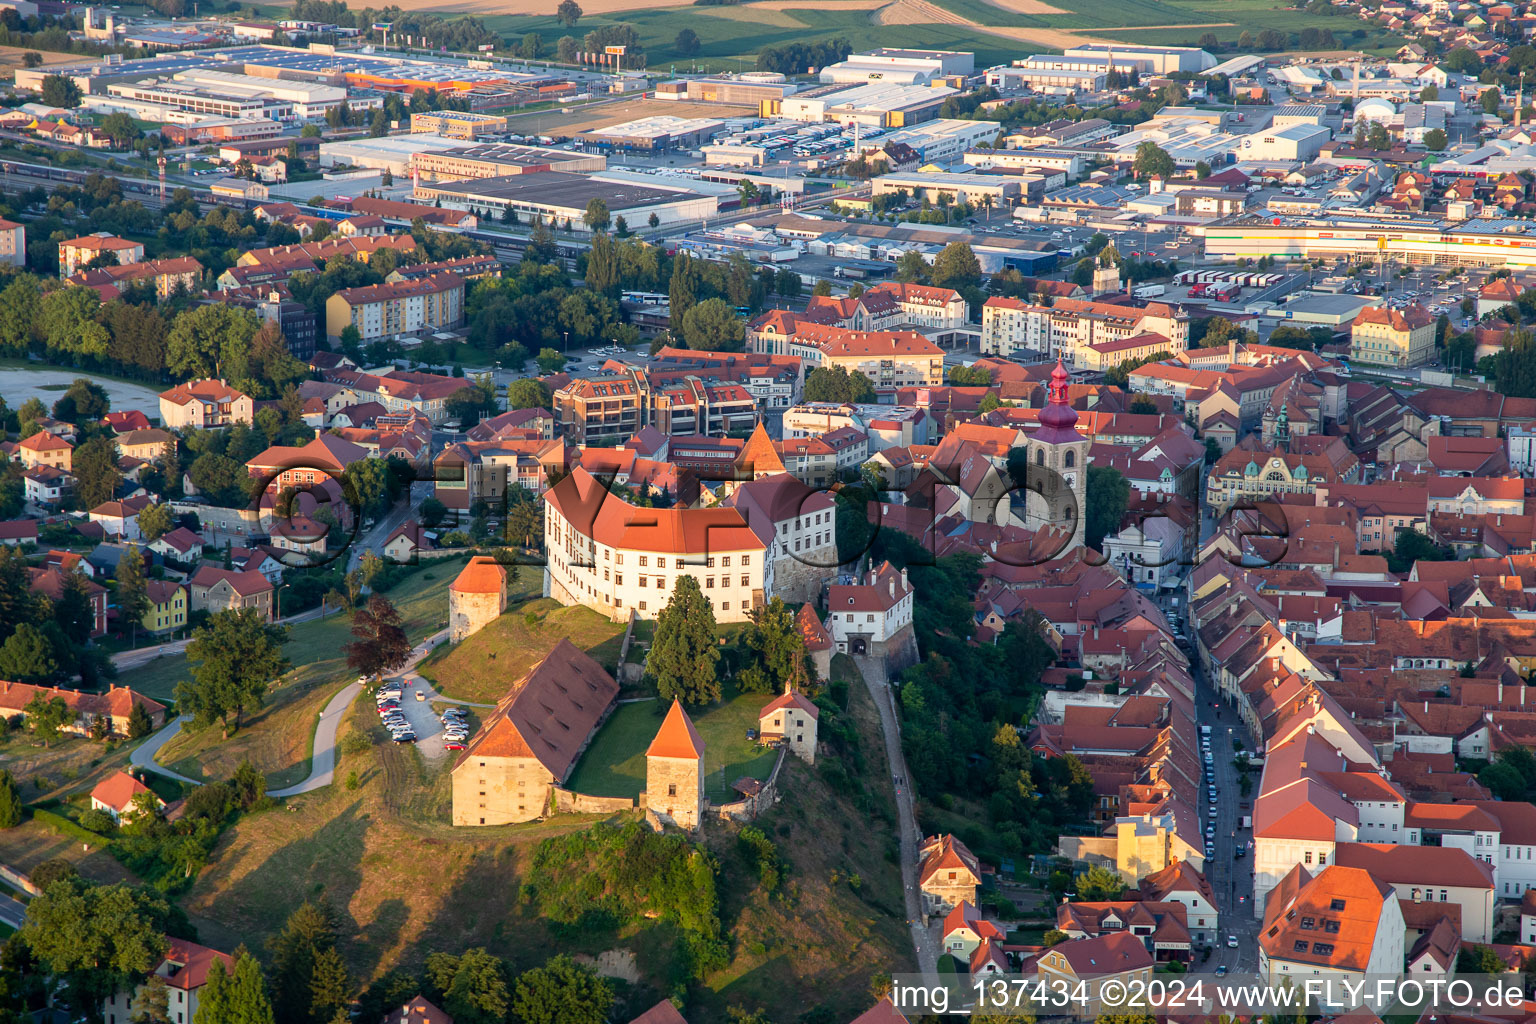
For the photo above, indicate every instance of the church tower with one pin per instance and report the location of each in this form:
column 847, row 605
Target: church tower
column 674, row 770
column 1058, row 466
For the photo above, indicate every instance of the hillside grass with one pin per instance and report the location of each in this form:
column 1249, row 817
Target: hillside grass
column 279, row 738
column 614, row 764
column 483, row 667
column 405, row 883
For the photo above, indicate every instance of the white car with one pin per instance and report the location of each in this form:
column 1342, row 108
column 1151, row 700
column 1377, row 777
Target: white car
column 1231, row 941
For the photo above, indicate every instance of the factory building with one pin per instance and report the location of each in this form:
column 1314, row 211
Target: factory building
column 1157, row 60
column 455, row 124
column 560, row 197
column 874, row 106
column 900, row 67
column 393, row 154
column 496, row 160
column 761, row 89
column 975, row 189
column 654, row 134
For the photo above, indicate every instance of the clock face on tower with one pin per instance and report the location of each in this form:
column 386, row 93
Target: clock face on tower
column 1070, row 479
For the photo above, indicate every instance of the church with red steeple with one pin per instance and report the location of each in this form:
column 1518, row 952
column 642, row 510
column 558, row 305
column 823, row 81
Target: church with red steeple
column 1058, row 459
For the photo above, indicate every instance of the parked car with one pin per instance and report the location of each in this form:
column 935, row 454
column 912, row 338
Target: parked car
column 405, row 737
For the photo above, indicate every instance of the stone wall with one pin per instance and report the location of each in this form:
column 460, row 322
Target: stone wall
column 567, row 802
column 796, row 581
column 752, row 806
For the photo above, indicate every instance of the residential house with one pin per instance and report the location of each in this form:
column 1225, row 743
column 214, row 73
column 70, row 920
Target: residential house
column 948, row 874
column 117, row 795
column 216, row 590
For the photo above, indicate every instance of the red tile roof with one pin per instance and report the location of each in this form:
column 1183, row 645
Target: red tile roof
column 677, row 737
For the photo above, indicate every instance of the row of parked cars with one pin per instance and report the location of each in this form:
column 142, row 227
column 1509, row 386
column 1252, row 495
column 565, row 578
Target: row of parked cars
column 455, row 728
column 390, row 714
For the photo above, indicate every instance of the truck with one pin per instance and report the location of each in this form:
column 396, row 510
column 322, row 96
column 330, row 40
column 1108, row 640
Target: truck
column 1147, row 291
column 1247, row 821
column 1205, row 730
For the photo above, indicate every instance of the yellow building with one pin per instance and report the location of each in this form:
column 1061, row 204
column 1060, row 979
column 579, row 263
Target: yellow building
column 1390, row 337
column 167, row 606
column 457, row 124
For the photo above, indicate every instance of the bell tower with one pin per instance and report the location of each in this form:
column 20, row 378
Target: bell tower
column 1058, row 465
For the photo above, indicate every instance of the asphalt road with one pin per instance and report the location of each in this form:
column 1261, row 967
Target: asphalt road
column 1230, row 877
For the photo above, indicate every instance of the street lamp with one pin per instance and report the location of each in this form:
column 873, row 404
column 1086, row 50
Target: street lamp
column 277, row 600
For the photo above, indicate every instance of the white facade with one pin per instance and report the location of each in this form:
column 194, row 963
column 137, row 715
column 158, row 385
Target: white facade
column 1522, row 450
column 1274, row 856
column 1386, row 957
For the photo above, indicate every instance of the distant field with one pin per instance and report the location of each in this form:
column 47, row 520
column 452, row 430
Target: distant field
column 11, row 56
column 997, row 31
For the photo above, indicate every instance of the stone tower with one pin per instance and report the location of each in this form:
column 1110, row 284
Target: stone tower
column 476, row 597
column 1058, row 466
column 674, row 770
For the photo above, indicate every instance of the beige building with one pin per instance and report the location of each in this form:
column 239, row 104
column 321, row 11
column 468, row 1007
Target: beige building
column 1341, row 924
column 1138, row 845
column 148, row 444
column 1119, row 958
column 790, row 718
column 1383, row 336
column 948, row 874
column 454, row 124
column 477, row 597
column 216, row 590
column 46, row 449
column 13, row 243
column 533, row 739
column 1011, row 327
column 77, row 252
column 397, row 307
column 202, row 404
column 890, row 359
column 674, row 771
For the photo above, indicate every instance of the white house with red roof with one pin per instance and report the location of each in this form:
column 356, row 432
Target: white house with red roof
column 790, row 718
column 1342, row 923
column 615, row 557
column 204, row 404
column 185, row 968
column 117, row 795
column 873, row 617
column 948, row 874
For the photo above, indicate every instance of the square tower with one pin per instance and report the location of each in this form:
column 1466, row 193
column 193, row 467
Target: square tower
column 674, row 770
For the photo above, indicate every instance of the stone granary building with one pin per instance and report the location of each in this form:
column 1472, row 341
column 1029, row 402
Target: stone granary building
column 533, row 739
column 476, row 597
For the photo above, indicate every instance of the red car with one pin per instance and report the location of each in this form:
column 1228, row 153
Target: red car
column 454, row 745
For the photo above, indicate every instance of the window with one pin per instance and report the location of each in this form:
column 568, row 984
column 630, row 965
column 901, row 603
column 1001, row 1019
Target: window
column 643, row 582
column 1071, row 459
column 709, row 583
column 619, row 559
column 618, row 579
column 746, row 560
column 661, row 584
column 642, row 606
column 1306, row 858
column 1336, row 905
column 1444, row 896
column 1308, row 924
column 727, row 561
column 709, row 563
column 725, row 606
column 661, row 563
column 1322, row 948
column 644, row 560
column 672, row 789
column 746, row 581
column 1301, row 945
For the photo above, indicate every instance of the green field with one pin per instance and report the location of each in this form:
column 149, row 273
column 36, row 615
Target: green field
column 614, row 764
column 730, row 37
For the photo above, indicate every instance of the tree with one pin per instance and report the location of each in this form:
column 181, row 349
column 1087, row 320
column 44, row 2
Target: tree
column 211, row 341
column 294, row 953
column 121, row 129
column 687, row 42
column 686, row 647
column 48, row 716
column 473, row 987
column 1152, row 161
column 99, row 940
column 1099, row 884
column 471, row 402
column 1489, row 100
column 1054, row 937
column 329, row 987
column 96, row 473
column 153, row 1003
column 238, row 998
column 68, row 325
column 1212, row 451
column 432, row 511
column 155, row 521
column 567, row 48
column 836, row 384
column 10, row 800
column 379, row 644
column 533, row 46
column 776, row 649
column 374, row 484
column 84, row 400
column 132, row 588
column 27, row 656
column 1108, row 495
column 550, row 360
column 596, row 216
column 237, row 655
column 569, row 12
column 956, row 267
column 139, row 722
column 911, row 268
column 713, row 326
column 561, row 992
column 603, row 264
column 1480, row 959
column 528, row 393
column 1435, row 140
column 60, row 91
column 31, row 59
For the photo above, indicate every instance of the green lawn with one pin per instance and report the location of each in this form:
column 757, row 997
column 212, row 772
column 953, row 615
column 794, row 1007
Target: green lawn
column 484, row 666
column 614, row 765
column 278, row 739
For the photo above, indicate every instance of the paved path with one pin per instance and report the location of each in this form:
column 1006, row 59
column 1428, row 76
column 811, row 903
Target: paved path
column 139, row 656
column 143, row 755
column 924, row 940
column 426, row 723
column 322, row 764
column 12, row 912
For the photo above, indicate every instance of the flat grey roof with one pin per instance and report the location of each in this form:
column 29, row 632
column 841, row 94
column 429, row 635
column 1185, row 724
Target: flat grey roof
column 559, row 188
